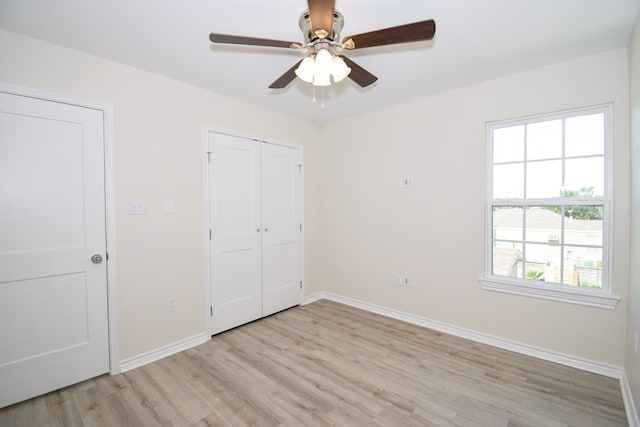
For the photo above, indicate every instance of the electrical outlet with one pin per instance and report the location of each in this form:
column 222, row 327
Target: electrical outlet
column 404, row 182
column 171, row 304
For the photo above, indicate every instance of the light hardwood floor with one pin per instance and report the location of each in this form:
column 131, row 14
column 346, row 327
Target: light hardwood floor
column 329, row 364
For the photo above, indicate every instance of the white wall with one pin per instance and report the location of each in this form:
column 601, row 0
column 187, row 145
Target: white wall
column 435, row 231
column 632, row 365
column 360, row 230
column 159, row 153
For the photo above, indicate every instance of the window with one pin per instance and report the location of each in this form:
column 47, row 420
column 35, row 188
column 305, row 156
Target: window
column 548, row 206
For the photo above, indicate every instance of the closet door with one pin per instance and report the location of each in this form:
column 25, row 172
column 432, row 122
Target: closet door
column 282, row 230
column 236, row 288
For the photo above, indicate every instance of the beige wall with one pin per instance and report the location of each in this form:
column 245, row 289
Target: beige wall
column 159, row 154
column 435, row 231
column 632, row 365
column 360, row 230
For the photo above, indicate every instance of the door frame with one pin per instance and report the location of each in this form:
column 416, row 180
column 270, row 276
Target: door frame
column 206, row 129
column 110, row 202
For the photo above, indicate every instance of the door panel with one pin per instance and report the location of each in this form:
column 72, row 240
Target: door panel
column 53, row 300
column 236, row 288
column 281, row 239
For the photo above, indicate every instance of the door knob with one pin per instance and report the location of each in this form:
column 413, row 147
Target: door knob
column 96, row 259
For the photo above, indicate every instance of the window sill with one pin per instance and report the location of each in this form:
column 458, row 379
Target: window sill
column 589, row 297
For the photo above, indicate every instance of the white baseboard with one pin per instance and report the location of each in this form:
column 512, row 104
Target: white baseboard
column 162, row 352
column 540, row 353
column 630, row 406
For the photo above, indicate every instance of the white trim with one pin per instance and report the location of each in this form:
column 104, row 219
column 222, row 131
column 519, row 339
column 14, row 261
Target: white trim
column 112, row 277
column 314, row 297
column 630, row 406
column 537, row 352
column 595, row 298
column 303, row 231
column 110, row 202
column 240, row 134
column 207, row 227
column 162, row 352
column 550, row 293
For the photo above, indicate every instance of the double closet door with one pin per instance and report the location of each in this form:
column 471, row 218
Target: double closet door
column 255, row 217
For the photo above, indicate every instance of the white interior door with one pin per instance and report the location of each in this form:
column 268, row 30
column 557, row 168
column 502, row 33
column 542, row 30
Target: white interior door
column 53, row 299
column 236, row 288
column 282, row 229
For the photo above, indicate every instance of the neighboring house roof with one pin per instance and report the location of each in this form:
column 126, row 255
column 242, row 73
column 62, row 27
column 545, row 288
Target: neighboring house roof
column 504, row 260
column 543, row 219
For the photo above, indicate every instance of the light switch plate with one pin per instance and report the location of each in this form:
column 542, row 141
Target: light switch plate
column 136, row 207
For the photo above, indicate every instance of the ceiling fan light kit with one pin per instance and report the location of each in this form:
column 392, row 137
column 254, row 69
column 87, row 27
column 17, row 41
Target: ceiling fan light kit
column 321, row 25
column 317, row 68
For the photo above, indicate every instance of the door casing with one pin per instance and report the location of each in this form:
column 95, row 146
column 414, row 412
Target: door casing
column 109, row 180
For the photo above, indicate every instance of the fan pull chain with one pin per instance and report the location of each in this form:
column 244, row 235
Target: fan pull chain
column 321, row 96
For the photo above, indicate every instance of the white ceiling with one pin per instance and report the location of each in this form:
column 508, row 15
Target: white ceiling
column 475, row 41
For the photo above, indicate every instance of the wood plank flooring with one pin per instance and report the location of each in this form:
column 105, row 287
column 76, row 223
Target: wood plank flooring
column 326, row 364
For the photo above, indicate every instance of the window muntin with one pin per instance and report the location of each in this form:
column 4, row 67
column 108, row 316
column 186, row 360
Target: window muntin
column 548, row 200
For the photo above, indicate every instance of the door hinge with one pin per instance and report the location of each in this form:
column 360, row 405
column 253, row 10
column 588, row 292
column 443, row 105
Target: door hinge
column 300, row 226
column 107, row 256
column 208, row 156
column 299, row 168
column 211, row 310
column 300, row 284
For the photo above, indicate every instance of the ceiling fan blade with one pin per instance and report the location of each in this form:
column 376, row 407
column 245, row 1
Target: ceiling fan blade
column 252, row 41
column 418, row 31
column 286, row 78
column 358, row 74
column 321, row 17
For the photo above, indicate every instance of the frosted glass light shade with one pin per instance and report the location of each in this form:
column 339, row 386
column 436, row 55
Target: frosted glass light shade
column 322, row 80
column 324, row 61
column 306, row 69
column 324, row 66
column 340, row 70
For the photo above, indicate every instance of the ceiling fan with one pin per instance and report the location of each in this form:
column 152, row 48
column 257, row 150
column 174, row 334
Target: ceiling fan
column 321, row 25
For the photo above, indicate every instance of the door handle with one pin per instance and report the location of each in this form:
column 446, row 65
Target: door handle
column 96, row 259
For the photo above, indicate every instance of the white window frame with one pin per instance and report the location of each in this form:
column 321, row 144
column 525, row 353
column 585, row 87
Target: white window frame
column 603, row 297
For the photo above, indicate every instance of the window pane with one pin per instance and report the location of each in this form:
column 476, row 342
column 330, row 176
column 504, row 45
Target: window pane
column 590, row 269
column 508, row 144
column 544, row 140
column 583, row 266
column 583, row 225
column 581, row 175
column 543, row 257
column 508, row 223
column 584, row 135
column 534, row 271
column 552, row 172
column 544, row 224
column 544, row 179
column 507, row 259
column 508, row 181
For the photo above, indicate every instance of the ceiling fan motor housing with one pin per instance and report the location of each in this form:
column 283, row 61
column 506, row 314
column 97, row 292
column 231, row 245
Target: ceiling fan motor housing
column 310, row 36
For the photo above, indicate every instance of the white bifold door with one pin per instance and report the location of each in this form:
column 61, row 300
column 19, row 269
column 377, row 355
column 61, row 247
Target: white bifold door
column 53, row 282
column 255, row 207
